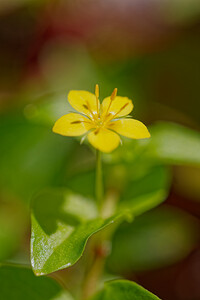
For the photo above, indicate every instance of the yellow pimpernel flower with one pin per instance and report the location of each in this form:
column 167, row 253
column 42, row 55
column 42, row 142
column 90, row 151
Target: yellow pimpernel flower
column 101, row 122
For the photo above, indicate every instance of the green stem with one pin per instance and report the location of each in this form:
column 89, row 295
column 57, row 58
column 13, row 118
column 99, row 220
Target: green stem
column 99, row 181
column 92, row 278
column 100, row 243
column 100, row 248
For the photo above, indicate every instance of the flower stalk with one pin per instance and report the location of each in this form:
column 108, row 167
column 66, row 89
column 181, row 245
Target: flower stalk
column 103, row 124
column 99, row 180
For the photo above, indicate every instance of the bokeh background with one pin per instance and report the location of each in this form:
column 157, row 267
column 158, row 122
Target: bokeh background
column 150, row 51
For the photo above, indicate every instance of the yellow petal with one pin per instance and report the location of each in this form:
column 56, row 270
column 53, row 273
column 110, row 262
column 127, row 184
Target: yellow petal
column 72, row 125
column 119, row 107
column 104, row 140
column 84, row 102
column 130, row 128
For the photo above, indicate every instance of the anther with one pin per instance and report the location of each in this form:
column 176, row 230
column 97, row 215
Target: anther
column 97, row 91
column 113, row 95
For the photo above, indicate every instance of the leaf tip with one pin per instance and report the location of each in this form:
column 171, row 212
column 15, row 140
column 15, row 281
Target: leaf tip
column 37, row 273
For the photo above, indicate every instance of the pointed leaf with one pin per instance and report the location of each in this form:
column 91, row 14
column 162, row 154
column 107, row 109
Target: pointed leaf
column 62, row 222
column 124, row 290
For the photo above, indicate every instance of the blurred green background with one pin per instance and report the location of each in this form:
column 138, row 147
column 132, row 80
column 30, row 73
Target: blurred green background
column 150, row 51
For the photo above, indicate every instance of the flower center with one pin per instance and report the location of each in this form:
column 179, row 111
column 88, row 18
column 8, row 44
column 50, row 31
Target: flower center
column 99, row 122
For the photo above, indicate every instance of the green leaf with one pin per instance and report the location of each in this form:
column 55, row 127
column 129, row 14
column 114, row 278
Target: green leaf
column 31, row 156
column 145, row 187
column 170, row 143
column 147, row 191
column 169, row 235
column 62, row 222
column 124, row 290
column 20, row 283
column 174, row 144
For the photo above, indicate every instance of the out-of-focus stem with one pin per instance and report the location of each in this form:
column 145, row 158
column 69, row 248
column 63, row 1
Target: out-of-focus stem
column 99, row 180
column 101, row 243
column 92, row 278
column 100, row 248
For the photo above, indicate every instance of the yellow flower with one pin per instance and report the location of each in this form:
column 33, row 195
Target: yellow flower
column 101, row 122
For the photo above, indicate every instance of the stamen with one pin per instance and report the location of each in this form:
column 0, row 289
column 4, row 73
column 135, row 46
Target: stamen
column 112, row 97
column 87, row 106
column 97, row 97
column 97, row 91
column 125, row 105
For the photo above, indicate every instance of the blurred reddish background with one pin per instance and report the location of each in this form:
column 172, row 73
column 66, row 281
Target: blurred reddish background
column 149, row 49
